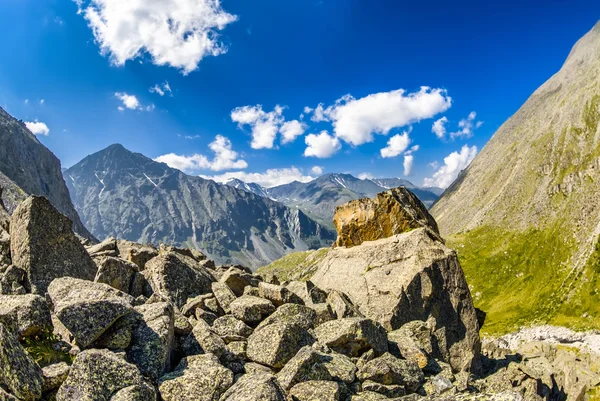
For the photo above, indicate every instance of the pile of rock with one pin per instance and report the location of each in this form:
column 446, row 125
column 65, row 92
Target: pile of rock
column 143, row 323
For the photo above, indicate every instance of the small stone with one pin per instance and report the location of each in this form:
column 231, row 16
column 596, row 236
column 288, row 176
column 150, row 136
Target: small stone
column 294, row 314
column 231, row 329
column 237, row 279
column 277, row 294
column 224, row 296
column 28, row 313
column 54, row 376
column 116, row 272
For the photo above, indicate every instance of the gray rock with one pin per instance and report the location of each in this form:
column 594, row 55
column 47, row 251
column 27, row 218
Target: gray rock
column 388, row 390
column 341, row 305
column 314, row 390
column 407, row 277
column 323, row 313
column 12, row 281
column 42, row 243
column 224, row 296
column 87, row 309
column 253, row 291
column 238, row 349
column 108, row 247
column 96, row 375
column 175, row 280
column 152, row 338
column 206, row 316
column 251, row 309
column 387, row 369
column 182, row 324
column 204, row 339
column 277, row 343
column 255, row 387
column 441, row 384
column 257, row 368
column 189, row 309
column 310, row 364
column 54, row 376
column 4, row 396
column 5, row 259
column 278, row 294
column 136, row 253
column 293, row 314
column 140, row 392
column 368, row 396
column 116, row 272
column 353, row 336
column 28, row 313
column 196, row 378
column 238, row 279
column 18, row 371
column 118, row 336
column 307, row 291
column 231, row 329
column 413, row 341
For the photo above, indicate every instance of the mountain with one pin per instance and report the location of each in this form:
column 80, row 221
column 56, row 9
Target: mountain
column 248, row 187
column 28, row 168
column 319, row 198
column 525, row 215
column 130, row 196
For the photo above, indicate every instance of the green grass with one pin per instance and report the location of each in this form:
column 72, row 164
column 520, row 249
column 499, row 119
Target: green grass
column 524, row 278
column 45, row 349
column 295, row 266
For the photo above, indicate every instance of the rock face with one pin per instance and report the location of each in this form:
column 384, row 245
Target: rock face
column 28, row 168
column 392, row 212
column 411, row 276
column 28, row 313
column 126, row 195
column 42, row 243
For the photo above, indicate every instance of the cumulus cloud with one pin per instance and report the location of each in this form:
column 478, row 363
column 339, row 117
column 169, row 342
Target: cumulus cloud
column 439, row 127
column 322, row 145
column 266, row 125
column 162, row 89
column 37, row 128
column 225, row 158
column 317, row 170
column 129, row 101
column 177, row 33
column 396, row 145
column 356, row 120
column 408, row 164
column 290, row 130
column 268, row 179
column 42, row 101
column 366, row 176
column 454, row 163
column 466, row 126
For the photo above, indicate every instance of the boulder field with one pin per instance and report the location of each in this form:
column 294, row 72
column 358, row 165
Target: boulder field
column 388, row 318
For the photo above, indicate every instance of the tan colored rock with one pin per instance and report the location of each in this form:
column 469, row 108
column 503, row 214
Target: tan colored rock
column 392, row 212
column 410, row 276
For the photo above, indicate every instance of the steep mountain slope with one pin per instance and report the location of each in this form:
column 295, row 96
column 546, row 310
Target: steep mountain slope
column 319, row 198
column 127, row 195
column 28, row 168
column 525, row 215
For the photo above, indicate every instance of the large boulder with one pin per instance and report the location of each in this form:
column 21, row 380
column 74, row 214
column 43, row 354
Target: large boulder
column 255, row 387
column 321, row 390
column 196, row 378
column 353, row 336
column 5, row 259
column 392, row 212
column 310, row 364
column 116, row 272
column 4, row 215
column 250, row 309
column 411, row 276
column 28, row 313
column 387, row 369
column 98, row 375
column 18, row 371
column 175, row 280
column 87, row 309
column 152, row 338
column 43, row 244
column 136, row 253
column 275, row 344
column 294, row 314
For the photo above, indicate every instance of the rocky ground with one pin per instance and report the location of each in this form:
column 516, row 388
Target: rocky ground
column 123, row 321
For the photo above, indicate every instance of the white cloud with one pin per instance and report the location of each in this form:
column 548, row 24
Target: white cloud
column 268, row 179
column 129, row 101
column 366, row 176
column 37, row 128
column 26, row 101
column 177, row 33
column 42, row 101
column 356, row 120
column 439, row 128
column 161, row 89
column 317, row 170
column 466, row 127
column 434, row 165
column 454, row 163
column 225, row 158
column 408, row 164
column 290, row 130
column 322, row 145
column 396, row 145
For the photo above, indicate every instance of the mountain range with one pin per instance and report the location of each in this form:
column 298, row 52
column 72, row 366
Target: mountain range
column 122, row 194
column 28, row 168
column 319, row 197
column 525, row 215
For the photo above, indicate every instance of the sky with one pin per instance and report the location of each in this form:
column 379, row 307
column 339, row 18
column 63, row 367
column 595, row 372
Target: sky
column 274, row 91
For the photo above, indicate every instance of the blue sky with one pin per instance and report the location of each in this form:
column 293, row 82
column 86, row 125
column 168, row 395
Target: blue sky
column 87, row 76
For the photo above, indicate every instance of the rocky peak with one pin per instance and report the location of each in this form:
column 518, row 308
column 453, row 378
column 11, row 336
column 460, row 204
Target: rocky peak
column 392, row 212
